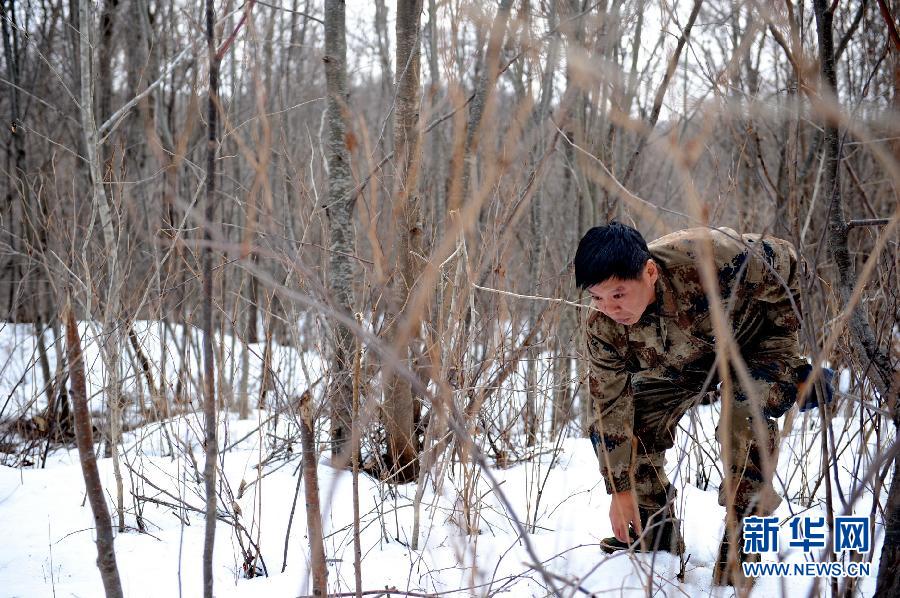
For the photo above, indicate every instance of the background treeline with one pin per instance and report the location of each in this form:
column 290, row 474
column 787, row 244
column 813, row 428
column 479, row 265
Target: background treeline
column 429, row 166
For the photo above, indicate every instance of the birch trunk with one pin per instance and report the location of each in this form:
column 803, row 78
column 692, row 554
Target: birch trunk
column 340, row 212
column 111, row 338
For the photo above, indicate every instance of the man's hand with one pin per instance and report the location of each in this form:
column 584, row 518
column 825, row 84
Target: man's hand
column 622, row 512
column 811, row 402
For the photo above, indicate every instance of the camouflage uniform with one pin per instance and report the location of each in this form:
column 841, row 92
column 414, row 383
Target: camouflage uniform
column 644, row 377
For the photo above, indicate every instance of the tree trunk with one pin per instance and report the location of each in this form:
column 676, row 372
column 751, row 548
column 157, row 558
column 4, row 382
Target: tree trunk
column 436, row 183
column 340, row 213
column 106, row 554
column 399, row 404
column 537, row 243
column 888, row 583
column 250, row 337
column 209, row 380
column 384, row 51
column 16, row 182
column 311, row 492
column 481, row 98
column 862, row 337
column 577, row 190
column 111, row 336
column 357, row 545
column 105, row 53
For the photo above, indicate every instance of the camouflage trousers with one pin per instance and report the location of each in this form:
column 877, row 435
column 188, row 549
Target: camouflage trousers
column 747, row 444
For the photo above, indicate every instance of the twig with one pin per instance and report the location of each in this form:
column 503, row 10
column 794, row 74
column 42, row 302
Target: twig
column 868, row 222
column 384, row 592
column 224, row 48
column 287, row 534
column 292, row 11
column 889, row 21
column 535, row 297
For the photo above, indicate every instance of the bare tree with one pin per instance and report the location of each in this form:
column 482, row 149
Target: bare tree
column 106, row 554
column 384, row 48
column 400, row 406
column 880, row 371
column 210, row 420
column 340, row 226
column 102, row 205
column 311, row 492
column 441, row 207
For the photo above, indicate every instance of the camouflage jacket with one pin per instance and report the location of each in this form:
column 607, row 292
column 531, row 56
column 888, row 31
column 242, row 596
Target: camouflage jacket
column 674, row 340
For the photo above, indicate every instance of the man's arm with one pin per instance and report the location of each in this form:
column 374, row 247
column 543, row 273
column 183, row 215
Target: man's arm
column 612, row 432
column 773, row 360
column 613, row 413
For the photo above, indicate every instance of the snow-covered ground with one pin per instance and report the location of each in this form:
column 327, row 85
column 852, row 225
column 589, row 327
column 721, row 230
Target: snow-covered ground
column 47, row 544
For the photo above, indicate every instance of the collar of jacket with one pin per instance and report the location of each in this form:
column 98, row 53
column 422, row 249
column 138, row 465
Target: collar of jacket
column 664, row 307
column 666, row 303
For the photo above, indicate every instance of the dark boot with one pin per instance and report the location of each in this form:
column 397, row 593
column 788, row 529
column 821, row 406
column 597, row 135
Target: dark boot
column 613, row 544
column 728, row 570
column 662, row 531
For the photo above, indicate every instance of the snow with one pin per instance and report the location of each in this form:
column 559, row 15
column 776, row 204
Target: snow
column 558, row 496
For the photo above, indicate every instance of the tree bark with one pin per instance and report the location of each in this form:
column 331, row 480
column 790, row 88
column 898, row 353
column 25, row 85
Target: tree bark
column 16, row 181
column 209, row 380
column 862, row 337
column 435, row 184
column 384, row 49
column 577, row 187
column 400, row 404
column 311, row 492
column 106, row 52
column 340, row 213
column 537, row 244
column 106, row 554
column 357, row 544
column 481, row 99
column 250, row 337
column 111, row 343
column 888, row 582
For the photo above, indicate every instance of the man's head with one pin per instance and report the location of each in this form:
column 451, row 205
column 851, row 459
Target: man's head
column 614, row 265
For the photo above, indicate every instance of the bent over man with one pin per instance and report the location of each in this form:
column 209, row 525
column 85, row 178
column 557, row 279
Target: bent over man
column 652, row 350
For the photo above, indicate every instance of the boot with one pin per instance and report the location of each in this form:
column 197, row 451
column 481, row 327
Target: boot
column 730, row 573
column 662, row 531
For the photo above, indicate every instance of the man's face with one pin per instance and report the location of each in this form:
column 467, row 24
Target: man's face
column 625, row 300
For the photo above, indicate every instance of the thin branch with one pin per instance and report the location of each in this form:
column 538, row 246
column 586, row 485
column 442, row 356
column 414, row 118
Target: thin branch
column 533, row 297
column 891, row 24
column 842, row 45
column 296, row 12
column 661, row 91
column 113, row 121
column 868, row 222
column 224, row 47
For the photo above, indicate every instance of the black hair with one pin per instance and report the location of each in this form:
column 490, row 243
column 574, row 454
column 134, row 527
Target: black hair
column 615, row 250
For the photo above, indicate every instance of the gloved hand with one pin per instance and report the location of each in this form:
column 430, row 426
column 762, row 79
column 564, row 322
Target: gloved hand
column 811, row 402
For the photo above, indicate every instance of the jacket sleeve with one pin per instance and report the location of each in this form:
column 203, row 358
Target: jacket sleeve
column 612, row 400
column 774, row 358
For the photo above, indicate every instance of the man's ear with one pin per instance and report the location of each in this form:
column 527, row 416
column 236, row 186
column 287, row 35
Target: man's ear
column 651, row 270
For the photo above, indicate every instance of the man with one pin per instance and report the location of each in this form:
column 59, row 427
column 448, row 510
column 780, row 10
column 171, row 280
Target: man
column 652, row 349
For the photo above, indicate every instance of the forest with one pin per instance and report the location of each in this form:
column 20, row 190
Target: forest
column 288, row 303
